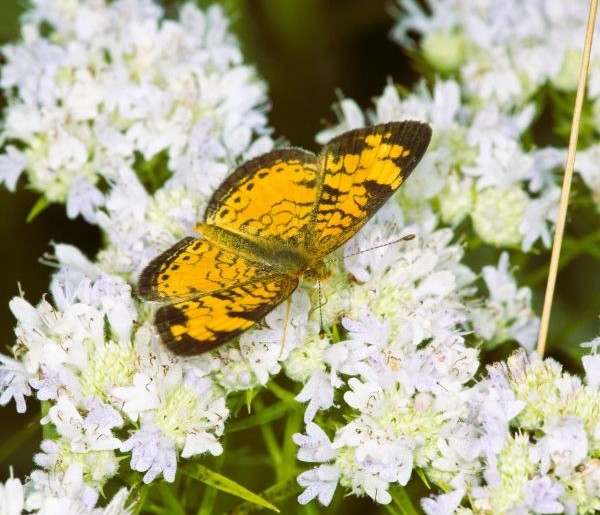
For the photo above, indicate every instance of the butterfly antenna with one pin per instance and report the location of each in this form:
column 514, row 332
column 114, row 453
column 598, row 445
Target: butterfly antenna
column 285, row 324
column 407, row 237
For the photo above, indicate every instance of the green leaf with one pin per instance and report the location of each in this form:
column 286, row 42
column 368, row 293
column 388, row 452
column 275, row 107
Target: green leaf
column 250, row 395
column 216, row 480
column 281, row 393
column 264, row 416
column 279, row 492
column 402, row 501
column 170, row 500
column 40, row 205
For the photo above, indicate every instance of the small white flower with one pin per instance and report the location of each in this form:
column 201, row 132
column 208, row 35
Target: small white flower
column 507, row 313
column 54, row 381
column 542, row 494
column 564, row 446
column 53, row 337
column 315, row 446
column 318, row 391
column 12, row 498
column 319, row 482
column 142, row 396
column 116, row 506
column 12, row 165
column 538, row 219
column 48, row 492
column 444, row 504
column 351, row 117
column 84, row 436
column 83, row 199
column 152, row 453
column 492, row 77
column 591, row 365
column 494, row 405
column 14, row 383
column 586, row 163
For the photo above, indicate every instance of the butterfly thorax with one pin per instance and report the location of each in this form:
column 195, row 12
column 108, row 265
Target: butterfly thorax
column 286, row 257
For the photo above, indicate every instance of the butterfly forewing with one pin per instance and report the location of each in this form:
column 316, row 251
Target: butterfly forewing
column 269, row 197
column 359, row 171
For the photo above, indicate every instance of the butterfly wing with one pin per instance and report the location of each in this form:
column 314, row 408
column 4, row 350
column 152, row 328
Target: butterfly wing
column 196, row 266
column 360, row 170
column 210, row 294
column 268, row 198
column 202, row 323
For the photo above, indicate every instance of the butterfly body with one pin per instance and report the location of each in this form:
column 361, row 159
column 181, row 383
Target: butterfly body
column 268, row 225
column 282, row 256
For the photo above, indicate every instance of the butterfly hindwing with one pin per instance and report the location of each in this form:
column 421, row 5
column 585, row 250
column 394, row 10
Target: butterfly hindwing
column 196, row 266
column 200, row 324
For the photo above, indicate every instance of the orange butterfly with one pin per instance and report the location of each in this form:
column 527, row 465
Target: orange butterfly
column 269, row 224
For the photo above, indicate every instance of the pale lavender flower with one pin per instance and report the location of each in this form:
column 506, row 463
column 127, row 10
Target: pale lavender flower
column 49, row 456
column 53, row 382
column 152, row 453
column 493, row 405
column 444, row 504
column 563, row 447
column 542, row 494
column 315, row 446
column 319, row 483
column 101, row 415
column 14, row 383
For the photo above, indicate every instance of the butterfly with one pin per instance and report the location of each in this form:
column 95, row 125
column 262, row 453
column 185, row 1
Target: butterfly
column 270, row 223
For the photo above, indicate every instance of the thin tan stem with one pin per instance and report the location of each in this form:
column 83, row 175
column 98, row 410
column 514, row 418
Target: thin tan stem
column 566, row 188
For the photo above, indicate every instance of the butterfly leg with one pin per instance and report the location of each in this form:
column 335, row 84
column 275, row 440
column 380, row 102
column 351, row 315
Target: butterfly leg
column 285, row 324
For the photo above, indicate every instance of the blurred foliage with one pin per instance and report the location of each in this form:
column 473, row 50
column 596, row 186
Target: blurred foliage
column 310, row 52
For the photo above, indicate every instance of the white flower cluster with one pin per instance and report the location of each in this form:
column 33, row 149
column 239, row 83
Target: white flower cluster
column 46, row 493
column 548, row 465
column 475, row 167
column 101, row 373
column 415, row 410
column 395, row 386
column 110, row 97
column 503, row 54
column 115, row 81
